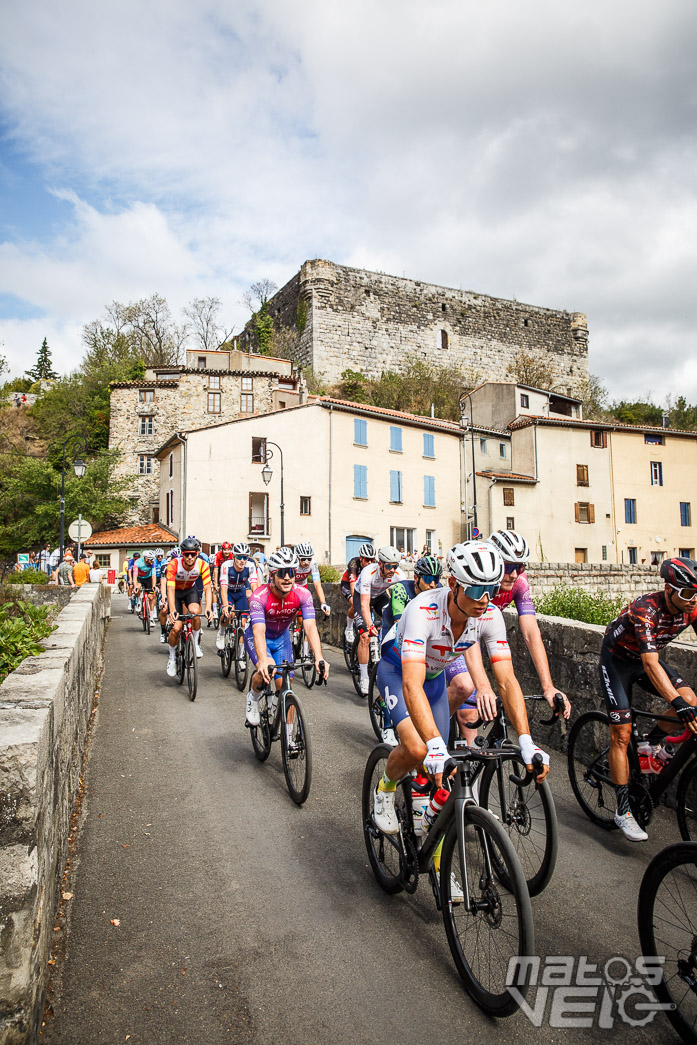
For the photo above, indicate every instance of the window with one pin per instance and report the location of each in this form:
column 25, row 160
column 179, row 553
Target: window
column 599, row 438
column 213, row 381
column 524, row 401
column 144, row 464
column 360, row 431
column 146, row 395
column 510, row 522
column 201, row 362
column 653, row 438
column 171, row 465
column 687, row 553
column 259, row 525
column 443, row 340
column 685, row 514
column 657, row 558
column 396, row 487
column 214, row 402
column 360, row 481
column 482, row 446
column 582, row 475
column 431, row 540
column 584, row 513
column 508, row 496
column 403, row 538
column 246, row 403
column 502, row 449
column 656, row 473
column 156, row 513
column 247, row 384
column 629, row 510
column 103, row 560
column 430, row 491
column 428, row 445
column 258, row 451
column 146, row 425
column 171, row 506
column 603, row 552
column 395, row 440
column 631, row 555
column 305, row 506
column 581, row 554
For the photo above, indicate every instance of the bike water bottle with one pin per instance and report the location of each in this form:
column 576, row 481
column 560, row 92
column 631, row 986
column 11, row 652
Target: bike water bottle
column 419, row 801
column 663, row 755
column 647, row 758
column 374, row 648
column 434, row 807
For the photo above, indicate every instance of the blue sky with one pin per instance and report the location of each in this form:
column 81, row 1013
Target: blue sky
column 540, row 151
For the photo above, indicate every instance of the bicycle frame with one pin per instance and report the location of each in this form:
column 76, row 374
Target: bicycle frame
column 685, row 750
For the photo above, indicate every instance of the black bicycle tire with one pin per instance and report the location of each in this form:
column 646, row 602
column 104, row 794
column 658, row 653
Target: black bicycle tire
column 687, row 777
column 181, row 663
column 147, row 617
column 347, row 648
column 528, row 856
column 261, row 734
column 309, row 670
column 241, row 676
column 355, row 670
column 573, row 767
column 225, row 656
column 500, row 1003
column 299, row 795
column 378, row 723
column 389, row 882
column 669, row 859
column 191, row 666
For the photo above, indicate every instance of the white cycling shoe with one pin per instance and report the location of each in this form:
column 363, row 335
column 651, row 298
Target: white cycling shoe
column 384, row 816
column 456, row 893
column 163, row 637
column 630, row 828
column 171, row 667
column 220, row 640
column 365, row 687
column 252, row 710
column 199, row 651
column 388, row 737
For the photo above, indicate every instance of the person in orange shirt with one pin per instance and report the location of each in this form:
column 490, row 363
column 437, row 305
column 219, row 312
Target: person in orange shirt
column 81, row 570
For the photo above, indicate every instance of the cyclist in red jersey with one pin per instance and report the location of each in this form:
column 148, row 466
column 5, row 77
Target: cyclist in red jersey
column 630, row 654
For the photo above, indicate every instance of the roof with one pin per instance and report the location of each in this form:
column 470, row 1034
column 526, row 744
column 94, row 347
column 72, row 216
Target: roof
column 511, row 477
column 153, row 533
column 367, row 408
column 173, row 382
column 524, row 421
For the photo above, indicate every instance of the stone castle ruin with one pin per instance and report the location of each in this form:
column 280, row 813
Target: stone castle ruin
column 369, row 321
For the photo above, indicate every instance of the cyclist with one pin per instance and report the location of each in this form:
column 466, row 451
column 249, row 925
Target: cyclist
column 630, row 653
column 369, row 596
column 366, row 555
column 307, row 567
column 238, row 579
column 182, row 595
column 436, row 628
column 131, row 563
column 143, row 575
column 267, row 638
column 173, row 553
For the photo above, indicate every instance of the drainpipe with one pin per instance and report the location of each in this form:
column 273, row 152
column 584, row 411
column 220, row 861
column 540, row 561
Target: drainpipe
column 613, row 512
column 182, row 524
column 492, row 483
column 331, row 435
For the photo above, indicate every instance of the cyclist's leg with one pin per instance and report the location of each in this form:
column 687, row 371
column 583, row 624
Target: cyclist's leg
column 462, row 697
column 346, row 592
column 617, row 677
column 362, row 627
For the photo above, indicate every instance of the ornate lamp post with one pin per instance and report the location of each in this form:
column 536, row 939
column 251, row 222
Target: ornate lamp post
column 79, row 443
column 266, row 474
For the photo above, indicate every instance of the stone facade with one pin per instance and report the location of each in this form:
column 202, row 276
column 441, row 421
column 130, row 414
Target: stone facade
column 369, row 321
column 615, row 580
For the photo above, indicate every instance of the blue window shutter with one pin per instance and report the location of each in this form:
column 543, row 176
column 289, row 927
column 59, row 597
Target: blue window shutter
column 395, row 438
column 428, row 445
column 430, row 490
column 360, row 431
column 360, row 480
column 396, row 487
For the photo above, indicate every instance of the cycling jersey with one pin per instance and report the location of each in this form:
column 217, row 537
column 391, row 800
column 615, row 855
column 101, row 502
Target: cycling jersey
column 353, row 569
column 424, row 634
column 236, row 580
column 220, row 558
column 302, row 575
column 371, row 583
column 277, row 612
column 646, row 626
column 144, row 570
column 181, row 579
column 520, row 594
column 399, row 595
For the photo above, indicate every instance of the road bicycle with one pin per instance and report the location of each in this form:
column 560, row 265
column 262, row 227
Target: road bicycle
column 282, row 718
column 589, row 773
column 234, row 650
column 185, row 652
column 306, row 660
column 144, row 611
column 480, row 887
column 351, row 658
column 667, row 920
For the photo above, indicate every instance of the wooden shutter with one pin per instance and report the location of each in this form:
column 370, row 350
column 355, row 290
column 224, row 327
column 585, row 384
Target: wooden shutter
column 591, row 513
column 577, row 512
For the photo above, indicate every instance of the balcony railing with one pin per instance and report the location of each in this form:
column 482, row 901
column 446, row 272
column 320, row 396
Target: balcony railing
column 259, row 526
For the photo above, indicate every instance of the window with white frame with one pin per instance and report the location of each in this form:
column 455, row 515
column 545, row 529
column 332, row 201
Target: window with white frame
column 247, row 384
column 144, row 464
column 147, row 425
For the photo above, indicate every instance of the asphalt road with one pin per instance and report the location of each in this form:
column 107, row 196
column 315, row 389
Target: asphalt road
column 245, row 918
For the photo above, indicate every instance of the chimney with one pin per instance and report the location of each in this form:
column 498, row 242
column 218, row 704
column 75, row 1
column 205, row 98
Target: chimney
column 302, row 390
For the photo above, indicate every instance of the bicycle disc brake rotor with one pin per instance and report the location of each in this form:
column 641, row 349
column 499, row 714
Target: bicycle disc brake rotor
column 520, row 817
column 641, row 804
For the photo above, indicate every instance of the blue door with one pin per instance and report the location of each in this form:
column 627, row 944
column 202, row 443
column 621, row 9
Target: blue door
column 353, row 544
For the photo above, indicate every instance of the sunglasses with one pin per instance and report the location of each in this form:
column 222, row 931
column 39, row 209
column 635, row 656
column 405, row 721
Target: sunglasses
column 391, row 566
column 189, row 555
column 428, row 578
column 687, row 594
column 287, row 571
column 514, row 567
column 304, row 562
column 478, row 591
column 240, row 558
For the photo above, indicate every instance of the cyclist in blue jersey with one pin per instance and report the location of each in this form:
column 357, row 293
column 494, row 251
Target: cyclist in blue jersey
column 238, row 579
column 143, row 575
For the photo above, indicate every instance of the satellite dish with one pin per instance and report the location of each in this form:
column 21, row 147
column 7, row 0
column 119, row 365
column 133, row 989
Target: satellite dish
column 658, row 539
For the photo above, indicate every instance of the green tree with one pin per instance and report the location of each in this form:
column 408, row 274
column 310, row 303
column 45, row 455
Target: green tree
column 639, row 412
column 682, row 414
column 529, row 369
column 42, row 369
column 594, row 396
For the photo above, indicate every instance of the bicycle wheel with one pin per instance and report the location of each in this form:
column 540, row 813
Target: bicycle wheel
column 530, row 819
column 348, row 653
column 496, row 925
column 261, row 734
column 355, row 668
column 146, row 621
column 376, row 705
column 295, row 749
column 667, row 917
column 384, row 851
column 589, row 768
column 241, row 660
column 686, row 802
column 181, row 661
column 226, row 653
column 191, row 666
column 309, row 670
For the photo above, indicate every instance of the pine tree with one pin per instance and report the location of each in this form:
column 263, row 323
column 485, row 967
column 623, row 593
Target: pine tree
column 43, row 368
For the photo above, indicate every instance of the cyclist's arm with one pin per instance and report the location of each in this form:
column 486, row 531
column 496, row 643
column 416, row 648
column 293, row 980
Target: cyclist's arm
column 513, row 702
column 658, row 676
column 365, row 609
column 223, row 590
column 319, row 591
column 530, row 630
column 264, row 661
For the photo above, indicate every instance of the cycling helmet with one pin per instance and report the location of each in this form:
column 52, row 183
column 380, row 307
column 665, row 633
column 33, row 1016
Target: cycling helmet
column 682, row 573
column 241, row 550
column 512, row 547
column 149, row 556
column 427, row 564
column 284, row 558
column 304, row 551
column 190, row 544
column 475, row 562
column 366, row 551
column 389, row 554
column 174, row 552
column 226, row 546
column 159, row 553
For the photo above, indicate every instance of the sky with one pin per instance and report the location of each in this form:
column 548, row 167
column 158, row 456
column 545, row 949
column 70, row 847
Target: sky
column 533, row 150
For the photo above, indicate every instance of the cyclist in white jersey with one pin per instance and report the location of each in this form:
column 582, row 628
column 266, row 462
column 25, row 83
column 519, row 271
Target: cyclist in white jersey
column 370, row 596
column 308, row 569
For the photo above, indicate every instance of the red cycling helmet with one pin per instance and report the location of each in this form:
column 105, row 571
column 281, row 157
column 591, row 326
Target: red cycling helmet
column 227, row 546
column 680, row 572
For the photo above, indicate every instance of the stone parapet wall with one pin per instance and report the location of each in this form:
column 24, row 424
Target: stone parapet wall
column 45, row 707
column 613, row 579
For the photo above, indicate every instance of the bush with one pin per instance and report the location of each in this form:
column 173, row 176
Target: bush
column 329, row 574
column 578, row 604
column 21, row 627
column 27, row 577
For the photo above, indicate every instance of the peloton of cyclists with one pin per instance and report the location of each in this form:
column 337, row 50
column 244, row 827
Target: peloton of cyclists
column 238, row 579
column 183, row 575
column 370, row 596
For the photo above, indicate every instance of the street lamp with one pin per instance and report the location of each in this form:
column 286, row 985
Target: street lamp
column 266, row 474
column 468, row 395
column 79, row 467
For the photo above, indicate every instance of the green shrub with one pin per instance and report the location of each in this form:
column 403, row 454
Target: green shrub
column 21, row 627
column 578, row 604
column 27, row 577
column 329, row 574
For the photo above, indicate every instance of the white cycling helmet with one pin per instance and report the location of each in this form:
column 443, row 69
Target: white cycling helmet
column 284, row 558
column 241, row 550
column 304, row 550
column 159, row 553
column 149, row 556
column 366, row 551
column 174, row 552
column 389, row 554
column 511, row 545
column 475, row 562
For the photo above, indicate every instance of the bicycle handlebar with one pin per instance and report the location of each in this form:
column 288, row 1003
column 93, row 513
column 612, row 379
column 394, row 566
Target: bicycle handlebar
column 537, row 767
column 556, row 711
column 678, row 740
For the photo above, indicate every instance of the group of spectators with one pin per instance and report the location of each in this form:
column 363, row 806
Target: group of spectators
column 72, row 570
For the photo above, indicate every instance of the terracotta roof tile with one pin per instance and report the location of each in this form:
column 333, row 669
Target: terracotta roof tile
column 150, row 534
column 515, row 477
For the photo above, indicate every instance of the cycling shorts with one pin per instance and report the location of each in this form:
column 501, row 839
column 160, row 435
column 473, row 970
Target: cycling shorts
column 146, row 583
column 198, row 585
column 186, row 597
column 279, row 649
column 617, row 676
column 238, row 601
column 345, row 589
column 389, row 682
column 377, row 605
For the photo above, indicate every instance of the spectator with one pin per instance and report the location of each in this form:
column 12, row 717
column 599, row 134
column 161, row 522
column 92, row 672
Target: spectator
column 18, row 401
column 260, row 560
column 24, row 397
column 45, row 559
column 96, row 572
column 81, row 570
column 63, row 574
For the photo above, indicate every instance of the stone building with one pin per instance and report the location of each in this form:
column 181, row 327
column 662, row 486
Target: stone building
column 213, row 388
column 370, row 321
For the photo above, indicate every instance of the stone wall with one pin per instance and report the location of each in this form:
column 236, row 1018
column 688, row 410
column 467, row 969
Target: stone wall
column 45, row 707
column 614, row 579
column 370, row 321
